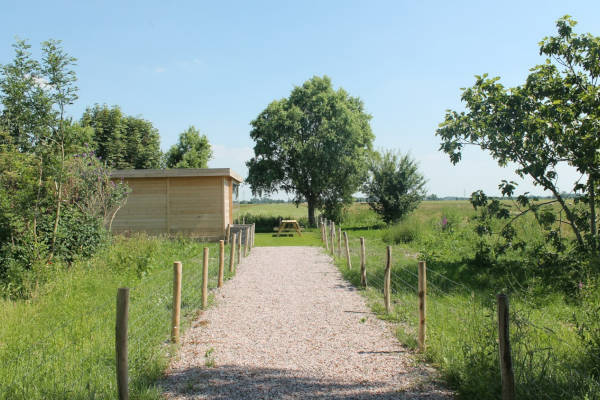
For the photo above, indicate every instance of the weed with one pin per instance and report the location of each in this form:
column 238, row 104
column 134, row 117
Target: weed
column 209, row 361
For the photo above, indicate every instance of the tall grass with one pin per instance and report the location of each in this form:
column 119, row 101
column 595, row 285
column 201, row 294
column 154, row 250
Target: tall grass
column 60, row 344
column 550, row 359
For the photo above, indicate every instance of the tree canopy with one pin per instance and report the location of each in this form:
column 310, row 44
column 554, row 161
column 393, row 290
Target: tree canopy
column 192, row 150
column 553, row 118
column 395, row 186
column 315, row 144
column 122, row 141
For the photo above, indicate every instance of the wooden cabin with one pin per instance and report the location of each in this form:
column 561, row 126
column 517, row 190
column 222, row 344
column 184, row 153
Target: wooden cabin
column 194, row 202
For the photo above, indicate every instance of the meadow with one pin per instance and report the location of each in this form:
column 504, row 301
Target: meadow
column 551, row 352
column 60, row 342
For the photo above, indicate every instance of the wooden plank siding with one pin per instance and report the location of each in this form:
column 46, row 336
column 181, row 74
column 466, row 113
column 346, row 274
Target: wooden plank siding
column 195, row 206
column 231, row 201
column 146, row 209
column 198, row 206
column 226, row 199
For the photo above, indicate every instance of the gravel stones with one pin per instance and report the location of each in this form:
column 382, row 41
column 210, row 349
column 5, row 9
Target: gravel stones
column 288, row 326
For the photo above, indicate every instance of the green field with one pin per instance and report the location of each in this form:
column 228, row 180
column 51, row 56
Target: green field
column 60, row 343
column 275, row 210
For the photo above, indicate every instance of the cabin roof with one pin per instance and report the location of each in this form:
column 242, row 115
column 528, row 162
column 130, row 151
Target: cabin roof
column 175, row 173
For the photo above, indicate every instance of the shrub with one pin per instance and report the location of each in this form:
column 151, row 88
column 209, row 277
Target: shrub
column 28, row 215
column 266, row 223
column 395, row 187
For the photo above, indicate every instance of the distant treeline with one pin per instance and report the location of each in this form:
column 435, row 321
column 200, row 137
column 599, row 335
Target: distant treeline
column 431, row 197
column 265, row 201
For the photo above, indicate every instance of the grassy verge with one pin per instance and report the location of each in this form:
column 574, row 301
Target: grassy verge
column 60, row 344
column 310, row 237
column 548, row 357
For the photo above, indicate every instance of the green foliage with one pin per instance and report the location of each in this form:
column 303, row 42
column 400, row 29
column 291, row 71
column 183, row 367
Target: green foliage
column 53, row 203
column 89, row 201
column 191, row 151
column 554, row 335
column 26, row 113
column 587, row 321
column 122, row 141
column 266, row 223
column 60, row 343
column 551, row 119
column 395, row 186
column 315, row 144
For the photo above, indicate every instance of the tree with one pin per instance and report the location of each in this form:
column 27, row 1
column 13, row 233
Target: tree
column 395, row 186
column 192, row 150
column 123, row 141
column 315, row 145
column 25, row 105
column 553, row 118
column 43, row 184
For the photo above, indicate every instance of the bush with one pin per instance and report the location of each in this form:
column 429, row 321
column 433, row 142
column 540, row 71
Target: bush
column 395, row 187
column 266, row 223
column 28, row 214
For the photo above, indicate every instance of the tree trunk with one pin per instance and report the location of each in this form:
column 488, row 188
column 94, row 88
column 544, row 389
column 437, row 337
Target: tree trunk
column 593, row 229
column 58, row 201
column 37, row 206
column 311, row 211
column 569, row 216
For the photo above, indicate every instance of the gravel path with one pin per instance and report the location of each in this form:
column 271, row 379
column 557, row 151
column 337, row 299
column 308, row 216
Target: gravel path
column 289, row 327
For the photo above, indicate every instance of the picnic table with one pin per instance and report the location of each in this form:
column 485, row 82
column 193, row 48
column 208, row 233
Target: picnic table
column 292, row 223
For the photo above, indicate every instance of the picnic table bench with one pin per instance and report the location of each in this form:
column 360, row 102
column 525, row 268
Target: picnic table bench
column 288, row 225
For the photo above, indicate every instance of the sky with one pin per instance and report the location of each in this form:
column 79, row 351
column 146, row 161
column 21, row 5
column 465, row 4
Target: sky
column 217, row 65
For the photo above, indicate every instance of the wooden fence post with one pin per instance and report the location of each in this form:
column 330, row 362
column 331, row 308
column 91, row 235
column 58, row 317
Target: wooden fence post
column 221, row 262
column 347, row 251
column 332, row 231
column 387, row 282
column 176, row 301
column 232, row 254
column 228, row 233
column 246, row 242
column 239, row 246
column 253, row 233
column 363, row 266
column 339, row 242
column 422, row 293
column 121, row 343
column 326, row 237
column 506, row 369
column 322, row 233
column 205, row 279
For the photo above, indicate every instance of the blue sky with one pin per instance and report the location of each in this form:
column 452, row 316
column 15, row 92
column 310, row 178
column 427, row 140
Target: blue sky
column 216, row 65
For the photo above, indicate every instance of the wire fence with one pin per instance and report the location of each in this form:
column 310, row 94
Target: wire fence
column 461, row 326
column 75, row 356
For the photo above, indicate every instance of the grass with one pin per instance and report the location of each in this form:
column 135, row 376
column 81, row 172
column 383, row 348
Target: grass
column 60, row 343
column 310, row 237
column 549, row 359
column 275, row 210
